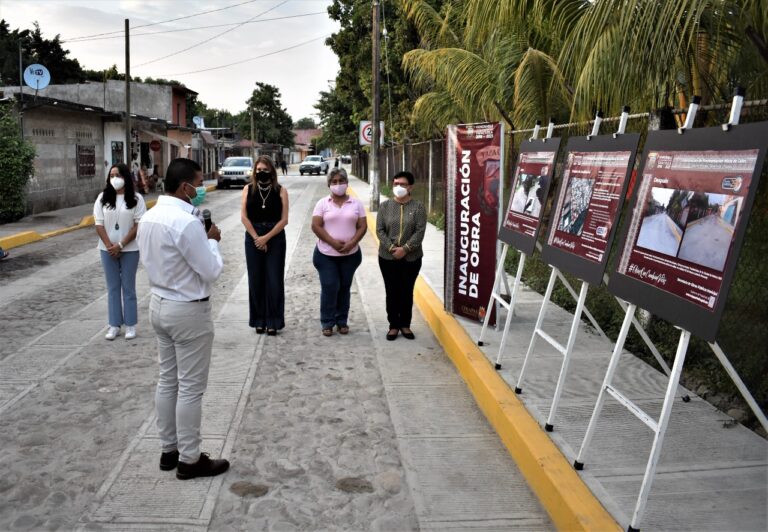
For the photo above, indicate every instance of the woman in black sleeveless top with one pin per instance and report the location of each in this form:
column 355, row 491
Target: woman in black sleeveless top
column 264, row 213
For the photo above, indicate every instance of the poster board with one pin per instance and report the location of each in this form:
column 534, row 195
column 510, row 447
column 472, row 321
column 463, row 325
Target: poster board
column 474, row 177
column 588, row 204
column 530, row 190
column 690, row 209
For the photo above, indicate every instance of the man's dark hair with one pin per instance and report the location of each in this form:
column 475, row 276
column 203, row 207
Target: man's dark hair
column 179, row 171
column 406, row 174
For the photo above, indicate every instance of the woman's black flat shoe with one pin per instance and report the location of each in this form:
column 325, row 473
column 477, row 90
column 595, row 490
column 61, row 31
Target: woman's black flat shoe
column 271, row 332
column 409, row 335
column 392, row 335
column 259, row 330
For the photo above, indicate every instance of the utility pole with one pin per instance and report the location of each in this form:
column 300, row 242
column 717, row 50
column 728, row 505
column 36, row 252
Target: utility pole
column 21, row 94
column 127, row 95
column 373, row 174
column 253, row 146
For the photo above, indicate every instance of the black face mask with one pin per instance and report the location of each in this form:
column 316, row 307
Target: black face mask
column 263, row 177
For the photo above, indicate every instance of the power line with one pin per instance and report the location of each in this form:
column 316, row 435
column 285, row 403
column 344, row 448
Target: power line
column 212, row 38
column 251, row 59
column 121, row 36
column 163, row 21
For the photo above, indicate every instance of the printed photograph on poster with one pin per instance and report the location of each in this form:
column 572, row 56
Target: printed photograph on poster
column 575, row 207
column 688, row 208
column 691, row 225
column 529, row 192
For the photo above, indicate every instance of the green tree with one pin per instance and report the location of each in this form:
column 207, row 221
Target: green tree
column 35, row 49
column 16, row 165
column 272, row 123
column 305, row 123
column 338, row 132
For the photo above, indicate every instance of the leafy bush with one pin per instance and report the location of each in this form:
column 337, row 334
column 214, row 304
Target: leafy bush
column 16, row 166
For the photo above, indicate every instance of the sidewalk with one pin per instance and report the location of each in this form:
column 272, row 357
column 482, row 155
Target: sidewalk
column 712, row 474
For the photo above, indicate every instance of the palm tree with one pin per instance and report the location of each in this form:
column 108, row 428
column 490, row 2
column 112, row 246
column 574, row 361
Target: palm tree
column 529, row 59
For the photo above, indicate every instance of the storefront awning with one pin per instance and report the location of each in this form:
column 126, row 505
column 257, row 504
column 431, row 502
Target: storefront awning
column 158, row 136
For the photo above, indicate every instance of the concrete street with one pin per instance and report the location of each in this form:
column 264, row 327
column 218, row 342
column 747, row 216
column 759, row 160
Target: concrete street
column 707, row 242
column 351, row 433
column 659, row 233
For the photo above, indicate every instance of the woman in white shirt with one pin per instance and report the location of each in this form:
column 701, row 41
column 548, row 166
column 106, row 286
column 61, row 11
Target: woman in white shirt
column 116, row 213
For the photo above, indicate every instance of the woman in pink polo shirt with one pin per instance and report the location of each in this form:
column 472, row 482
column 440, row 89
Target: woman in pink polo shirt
column 339, row 223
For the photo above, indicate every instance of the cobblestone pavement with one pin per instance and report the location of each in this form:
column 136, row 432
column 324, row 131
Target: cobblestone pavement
column 349, row 433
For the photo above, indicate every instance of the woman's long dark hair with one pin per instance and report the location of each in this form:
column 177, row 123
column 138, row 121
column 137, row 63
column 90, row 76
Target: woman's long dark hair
column 109, row 195
column 266, row 159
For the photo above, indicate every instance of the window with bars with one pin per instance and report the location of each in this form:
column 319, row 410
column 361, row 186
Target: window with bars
column 86, row 160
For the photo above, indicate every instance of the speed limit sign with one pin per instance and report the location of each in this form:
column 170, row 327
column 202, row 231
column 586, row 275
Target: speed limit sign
column 366, row 133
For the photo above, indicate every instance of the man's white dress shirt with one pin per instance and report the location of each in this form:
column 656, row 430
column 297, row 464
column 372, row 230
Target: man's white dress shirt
column 181, row 262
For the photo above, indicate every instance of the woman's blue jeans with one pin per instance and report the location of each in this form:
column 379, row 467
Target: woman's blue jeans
column 336, row 275
column 120, row 273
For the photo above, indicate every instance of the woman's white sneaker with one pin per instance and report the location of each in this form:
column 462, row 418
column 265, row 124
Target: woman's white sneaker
column 130, row 333
column 112, row 333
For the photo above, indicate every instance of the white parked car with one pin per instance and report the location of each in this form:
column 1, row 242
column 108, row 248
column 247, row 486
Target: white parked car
column 314, row 164
column 235, row 171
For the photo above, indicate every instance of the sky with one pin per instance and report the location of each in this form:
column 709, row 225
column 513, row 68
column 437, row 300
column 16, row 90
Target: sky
column 300, row 73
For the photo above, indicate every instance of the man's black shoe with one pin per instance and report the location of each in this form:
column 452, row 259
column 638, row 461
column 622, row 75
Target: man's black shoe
column 169, row 460
column 204, row 467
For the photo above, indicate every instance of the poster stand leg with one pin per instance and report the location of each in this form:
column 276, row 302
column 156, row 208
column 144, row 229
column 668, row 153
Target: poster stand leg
column 587, row 313
column 549, row 426
column 510, row 309
column 537, row 328
column 659, row 428
column 739, row 384
column 494, row 292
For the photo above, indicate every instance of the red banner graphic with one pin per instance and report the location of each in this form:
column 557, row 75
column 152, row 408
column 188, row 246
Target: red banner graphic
column 472, row 216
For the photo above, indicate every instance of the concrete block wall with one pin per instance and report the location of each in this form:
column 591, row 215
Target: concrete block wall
column 56, row 134
column 153, row 101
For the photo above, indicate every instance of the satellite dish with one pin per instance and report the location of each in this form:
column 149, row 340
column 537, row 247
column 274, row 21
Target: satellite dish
column 198, row 121
column 37, row 76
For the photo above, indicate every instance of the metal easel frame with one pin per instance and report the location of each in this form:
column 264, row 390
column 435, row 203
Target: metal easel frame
column 507, row 300
column 660, row 427
column 566, row 350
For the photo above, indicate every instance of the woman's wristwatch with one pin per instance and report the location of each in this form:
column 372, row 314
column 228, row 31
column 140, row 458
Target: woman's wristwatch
column 120, row 244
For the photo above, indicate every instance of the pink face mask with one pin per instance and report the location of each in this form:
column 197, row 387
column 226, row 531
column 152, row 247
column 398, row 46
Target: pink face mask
column 339, row 190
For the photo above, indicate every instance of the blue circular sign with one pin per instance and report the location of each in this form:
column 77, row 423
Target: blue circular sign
column 37, row 76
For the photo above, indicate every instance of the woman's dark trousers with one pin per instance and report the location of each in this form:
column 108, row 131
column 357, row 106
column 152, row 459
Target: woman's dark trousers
column 266, row 288
column 399, row 280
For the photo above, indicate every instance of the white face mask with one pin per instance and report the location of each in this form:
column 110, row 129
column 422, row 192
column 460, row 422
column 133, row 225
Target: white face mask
column 400, row 191
column 340, row 189
column 117, row 182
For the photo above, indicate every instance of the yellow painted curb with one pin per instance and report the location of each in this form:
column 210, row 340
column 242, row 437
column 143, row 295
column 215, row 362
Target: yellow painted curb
column 568, row 501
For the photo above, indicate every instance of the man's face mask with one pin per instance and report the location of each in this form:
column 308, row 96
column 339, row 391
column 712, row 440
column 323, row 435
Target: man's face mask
column 199, row 196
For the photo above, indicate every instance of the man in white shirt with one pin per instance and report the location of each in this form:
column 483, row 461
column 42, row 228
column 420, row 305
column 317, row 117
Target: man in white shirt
column 182, row 262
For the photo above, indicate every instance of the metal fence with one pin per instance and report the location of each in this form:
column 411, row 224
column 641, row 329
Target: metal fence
column 426, row 160
column 743, row 332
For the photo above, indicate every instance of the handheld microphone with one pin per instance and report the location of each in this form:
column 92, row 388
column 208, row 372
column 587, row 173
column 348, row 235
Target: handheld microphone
column 207, row 220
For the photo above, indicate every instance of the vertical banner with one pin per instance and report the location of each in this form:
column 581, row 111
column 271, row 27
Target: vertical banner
column 474, row 176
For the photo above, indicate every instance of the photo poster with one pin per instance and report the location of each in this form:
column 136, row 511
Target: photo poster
column 689, row 213
column 530, row 190
column 588, row 204
column 474, row 176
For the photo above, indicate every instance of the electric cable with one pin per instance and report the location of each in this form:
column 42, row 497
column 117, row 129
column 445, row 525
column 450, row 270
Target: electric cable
column 250, row 59
column 162, row 21
column 200, row 27
column 211, row 38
